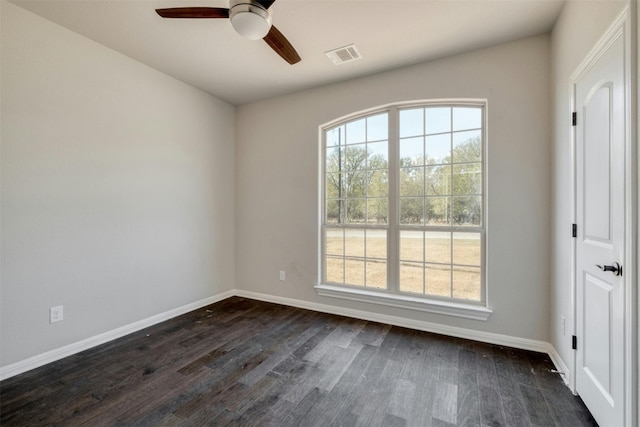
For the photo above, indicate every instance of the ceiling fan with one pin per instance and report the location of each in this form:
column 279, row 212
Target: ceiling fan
column 250, row 18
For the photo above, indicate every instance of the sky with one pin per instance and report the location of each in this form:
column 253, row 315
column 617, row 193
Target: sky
column 432, row 129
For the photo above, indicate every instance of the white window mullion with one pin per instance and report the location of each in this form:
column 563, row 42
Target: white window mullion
column 451, row 198
column 344, row 258
column 451, row 254
column 393, row 255
column 424, row 201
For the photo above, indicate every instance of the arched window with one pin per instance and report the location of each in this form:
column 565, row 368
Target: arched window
column 403, row 202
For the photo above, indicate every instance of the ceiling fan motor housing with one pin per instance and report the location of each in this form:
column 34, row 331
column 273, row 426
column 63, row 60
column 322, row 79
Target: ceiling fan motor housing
column 250, row 19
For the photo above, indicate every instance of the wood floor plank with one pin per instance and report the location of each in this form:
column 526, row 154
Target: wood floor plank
column 369, row 378
column 284, row 351
column 537, row 408
column 447, row 354
column 372, row 406
column 327, row 410
column 401, row 398
column 562, row 406
column 416, row 367
column 300, row 414
column 341, row 337
column 489, row 395
column 373, row 334
column 439, row 423
column 421, row 368
column 445, row 402
column 335, row 363
column 223, row 387
column 298, row 354
column 347, row 420
column 491, row 409
column 241, row 362
column 468, row 404
column 295, row 391
column 268, row 410
column 171, row 421
column 512, row 401
column 422, row 407
column 390, row 420
column 467, row 360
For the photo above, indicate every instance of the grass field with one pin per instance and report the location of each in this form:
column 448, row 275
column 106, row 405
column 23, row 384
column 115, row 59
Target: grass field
column 356, row 258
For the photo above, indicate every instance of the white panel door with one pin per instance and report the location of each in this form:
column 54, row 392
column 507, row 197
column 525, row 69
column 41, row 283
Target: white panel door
column 600, row 207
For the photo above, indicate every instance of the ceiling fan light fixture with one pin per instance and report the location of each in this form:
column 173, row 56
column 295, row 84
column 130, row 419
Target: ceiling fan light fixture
column 250, row 20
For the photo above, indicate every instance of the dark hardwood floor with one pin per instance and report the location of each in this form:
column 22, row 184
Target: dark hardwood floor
column 247, row 363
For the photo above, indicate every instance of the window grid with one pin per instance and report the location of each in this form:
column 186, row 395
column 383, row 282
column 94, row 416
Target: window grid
column 458, row 272
column 365, row 146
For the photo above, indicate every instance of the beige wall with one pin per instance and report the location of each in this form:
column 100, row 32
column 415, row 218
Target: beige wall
column 579, row 27
column 117, row 189
column 277, row 179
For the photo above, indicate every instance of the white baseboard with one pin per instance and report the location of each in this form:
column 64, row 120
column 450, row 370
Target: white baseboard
column 71, row 349
column 562, row 367
column 454, row 331
column 488, row 337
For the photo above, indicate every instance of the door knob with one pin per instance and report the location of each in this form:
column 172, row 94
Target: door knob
column 615, row 268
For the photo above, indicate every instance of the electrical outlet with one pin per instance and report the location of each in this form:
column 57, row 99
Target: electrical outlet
column 56, row 314
column 282, row 275
column 563, row 325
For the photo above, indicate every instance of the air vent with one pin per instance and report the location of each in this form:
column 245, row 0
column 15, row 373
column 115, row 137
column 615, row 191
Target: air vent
column 344, row 54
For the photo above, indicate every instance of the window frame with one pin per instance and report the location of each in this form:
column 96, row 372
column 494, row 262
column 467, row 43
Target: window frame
column 391, row 295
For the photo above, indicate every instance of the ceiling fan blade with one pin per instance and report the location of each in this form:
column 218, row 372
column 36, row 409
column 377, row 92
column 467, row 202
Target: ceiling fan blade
column 194, row 12
column 266, row 3
column 281, row 45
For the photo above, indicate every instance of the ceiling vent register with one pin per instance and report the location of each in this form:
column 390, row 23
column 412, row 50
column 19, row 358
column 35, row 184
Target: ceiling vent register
column 344, row 54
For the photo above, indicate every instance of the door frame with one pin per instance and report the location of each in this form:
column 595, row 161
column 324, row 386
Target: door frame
column 625, row 26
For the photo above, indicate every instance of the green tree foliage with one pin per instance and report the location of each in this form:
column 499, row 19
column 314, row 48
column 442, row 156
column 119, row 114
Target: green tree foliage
column 467, row 183
column 447, row 193
column 356, row 186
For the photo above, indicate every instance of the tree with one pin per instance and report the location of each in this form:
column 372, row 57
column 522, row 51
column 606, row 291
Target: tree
column 444, row 192
column 466, row 206
column 354, row 179
column 448, row 192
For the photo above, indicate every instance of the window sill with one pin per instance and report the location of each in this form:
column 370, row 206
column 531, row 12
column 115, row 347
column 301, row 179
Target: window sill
column 457, row 309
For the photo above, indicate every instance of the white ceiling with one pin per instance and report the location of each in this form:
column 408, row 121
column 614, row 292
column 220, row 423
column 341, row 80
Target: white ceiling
column 208, row 54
